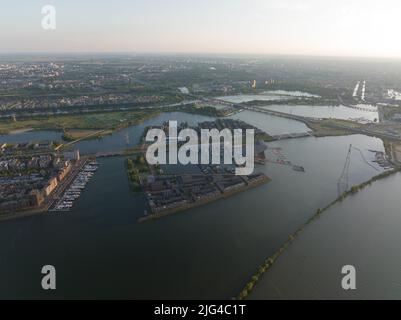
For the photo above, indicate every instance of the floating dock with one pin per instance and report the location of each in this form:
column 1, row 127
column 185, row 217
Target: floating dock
column 74, row 190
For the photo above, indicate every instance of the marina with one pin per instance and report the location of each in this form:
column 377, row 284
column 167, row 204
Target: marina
column 73, row 192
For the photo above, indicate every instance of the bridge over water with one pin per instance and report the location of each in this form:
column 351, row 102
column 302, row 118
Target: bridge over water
column 333, row 125
column 293, row 135
column 118, row 153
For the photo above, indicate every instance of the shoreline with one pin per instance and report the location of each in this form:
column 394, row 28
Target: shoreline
column 133, row 117
column 19, row 131
column 320, row 128
column 50, row 199
column 23, row 214
column 167, row 212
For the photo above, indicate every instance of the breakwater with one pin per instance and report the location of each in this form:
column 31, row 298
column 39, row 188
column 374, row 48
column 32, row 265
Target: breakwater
column 268, row 262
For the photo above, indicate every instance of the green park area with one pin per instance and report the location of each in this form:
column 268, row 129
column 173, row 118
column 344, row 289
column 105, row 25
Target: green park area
column 137, row 169
column 76, row 125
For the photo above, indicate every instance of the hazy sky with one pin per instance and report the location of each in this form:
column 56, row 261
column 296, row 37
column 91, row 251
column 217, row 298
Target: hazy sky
column 317, row 27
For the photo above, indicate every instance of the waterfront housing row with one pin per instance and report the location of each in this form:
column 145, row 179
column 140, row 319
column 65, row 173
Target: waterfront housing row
column 27, row 180
column 166, row 193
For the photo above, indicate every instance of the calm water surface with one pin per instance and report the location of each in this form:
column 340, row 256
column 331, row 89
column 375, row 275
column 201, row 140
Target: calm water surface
column 251, row 97
column 273, row 95
column 365, row 113
column 363, row 231
column 325, row 112
column 31, row 136
column 100, row 251
column 270, row 124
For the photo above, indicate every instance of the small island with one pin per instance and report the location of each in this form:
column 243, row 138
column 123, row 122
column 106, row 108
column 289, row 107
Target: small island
column 168, row 193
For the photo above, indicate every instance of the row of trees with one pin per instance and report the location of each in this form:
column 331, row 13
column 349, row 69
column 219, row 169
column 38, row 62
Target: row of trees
column 136, row 166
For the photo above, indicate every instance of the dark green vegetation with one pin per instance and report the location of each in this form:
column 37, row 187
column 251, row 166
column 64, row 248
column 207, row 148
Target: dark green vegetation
column 97, row 121
column 137, row 169
column 192, row 108
column 332, row 127
column 206, row 110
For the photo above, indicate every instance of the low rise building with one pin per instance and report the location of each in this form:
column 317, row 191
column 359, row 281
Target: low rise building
column 50, row 186
column 64, row 171
column 36, row 198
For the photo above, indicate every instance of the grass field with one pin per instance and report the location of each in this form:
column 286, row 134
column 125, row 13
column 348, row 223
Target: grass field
column 323, row 128
column 74, row 134
column 98, row 121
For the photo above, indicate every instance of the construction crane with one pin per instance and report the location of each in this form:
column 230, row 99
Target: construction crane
column 343, row 181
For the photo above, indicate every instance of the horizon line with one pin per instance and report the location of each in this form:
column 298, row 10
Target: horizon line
column 190, row 53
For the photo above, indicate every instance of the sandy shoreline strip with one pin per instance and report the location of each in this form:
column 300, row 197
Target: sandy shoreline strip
column 18, row 131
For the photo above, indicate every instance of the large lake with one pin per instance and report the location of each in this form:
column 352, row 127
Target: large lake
column 100, row 251
column 325, row 112
column 360, row 112
column 273, row 95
